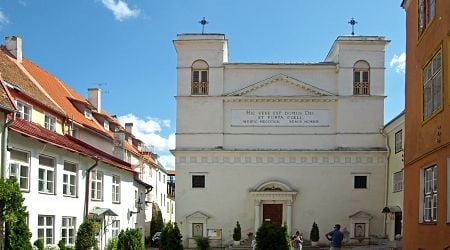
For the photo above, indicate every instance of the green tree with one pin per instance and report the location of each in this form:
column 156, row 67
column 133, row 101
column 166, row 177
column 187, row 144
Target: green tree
column 271, row 236
column 202, row 243
column 130, row 239
column 314, row 234
column 86, row 236
column 13, row 215
column 157, row 223
column 170, row 237
column 237, row 232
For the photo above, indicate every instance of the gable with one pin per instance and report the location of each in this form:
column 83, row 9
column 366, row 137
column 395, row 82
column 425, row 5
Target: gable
column 280, row 85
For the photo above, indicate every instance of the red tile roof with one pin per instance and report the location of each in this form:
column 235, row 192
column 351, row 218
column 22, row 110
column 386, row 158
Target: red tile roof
column 6, row 100
column 13, row 72
column 171, row 172
column 63, row 95
column 67, row 142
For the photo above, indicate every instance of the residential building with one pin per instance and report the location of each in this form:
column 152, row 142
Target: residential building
column 292, row 143
column 395, row 132
column 66, row 151
column 427, row 122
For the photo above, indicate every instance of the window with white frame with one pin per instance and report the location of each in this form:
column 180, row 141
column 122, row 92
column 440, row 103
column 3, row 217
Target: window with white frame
column 199, row 85
column 398, row 141
column 430, row 194
column 96, row 185
column 19, row 167
column 46, row 174
column 106, row 124
column 70, row 179
column 68, row 230
column 88, row 113
column 50, row 122
column 397, row 181
column 116, row 189
column 361, row 83
column 432, row 86
column 46, row 229
column 115, row 228
column 24, row 111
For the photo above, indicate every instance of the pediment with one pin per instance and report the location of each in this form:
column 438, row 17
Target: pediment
column 280, row 85
column 361, row 215
column 197, row 215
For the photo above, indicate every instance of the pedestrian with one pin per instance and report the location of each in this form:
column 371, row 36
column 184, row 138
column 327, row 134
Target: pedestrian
column 297, row 239
column 335, row 237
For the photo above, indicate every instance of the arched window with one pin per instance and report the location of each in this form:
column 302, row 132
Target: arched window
column 199, row 85
column 361, row 83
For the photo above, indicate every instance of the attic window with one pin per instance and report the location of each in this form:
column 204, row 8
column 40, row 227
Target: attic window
column 106, row 124
column 88, row 113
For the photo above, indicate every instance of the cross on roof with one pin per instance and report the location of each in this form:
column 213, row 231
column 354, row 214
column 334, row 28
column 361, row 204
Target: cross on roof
column 203, row 22
column 352, row 22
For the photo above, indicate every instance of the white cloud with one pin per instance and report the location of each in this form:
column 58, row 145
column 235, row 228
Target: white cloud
column 398, row 62
column 120, row 9
column 149, row 131
column 3, row 19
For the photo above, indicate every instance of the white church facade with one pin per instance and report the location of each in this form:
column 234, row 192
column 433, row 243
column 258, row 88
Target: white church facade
column 284, row 143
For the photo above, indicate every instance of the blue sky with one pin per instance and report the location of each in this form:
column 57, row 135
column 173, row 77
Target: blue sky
column 125, row 46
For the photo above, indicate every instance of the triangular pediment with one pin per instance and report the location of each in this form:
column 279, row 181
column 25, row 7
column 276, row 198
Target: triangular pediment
column 281, row 85
column 361, row 215
column 197, row 215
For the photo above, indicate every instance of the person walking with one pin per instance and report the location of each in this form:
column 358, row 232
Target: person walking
column 335, row 237
column 297, row 240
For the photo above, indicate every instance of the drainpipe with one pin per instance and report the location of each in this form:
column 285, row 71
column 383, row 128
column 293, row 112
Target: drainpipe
column 4, row 142
column 88, row 179
column 386, row 177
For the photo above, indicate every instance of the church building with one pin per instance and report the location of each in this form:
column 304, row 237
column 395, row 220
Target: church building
column 282, row 143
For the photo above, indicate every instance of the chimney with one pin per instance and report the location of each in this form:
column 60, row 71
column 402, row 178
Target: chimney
column 94, row 97
column 129, row 127
column 14, row 46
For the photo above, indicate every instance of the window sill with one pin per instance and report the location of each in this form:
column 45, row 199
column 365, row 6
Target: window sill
column 70, row 196
column 428, row 223
column 41, row 192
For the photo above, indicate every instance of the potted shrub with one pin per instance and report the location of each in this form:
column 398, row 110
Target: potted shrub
column 314, row 235
column 237, row 234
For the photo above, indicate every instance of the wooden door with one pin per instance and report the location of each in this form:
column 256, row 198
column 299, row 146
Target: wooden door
column 273, row 213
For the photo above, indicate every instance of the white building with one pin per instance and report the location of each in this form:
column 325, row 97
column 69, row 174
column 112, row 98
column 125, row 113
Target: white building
column 286, row 143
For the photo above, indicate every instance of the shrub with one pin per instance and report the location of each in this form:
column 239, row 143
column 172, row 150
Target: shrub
column 202, row 243
column 112, row 243
column 51, row 247
column 157, row 223
column 39, row 244
column 237, row 232
column 170, row 237
column 314, row 235
column 271, row 236
column 62, row 245
column 86, row 236
column 13, row 216
column 130, row 239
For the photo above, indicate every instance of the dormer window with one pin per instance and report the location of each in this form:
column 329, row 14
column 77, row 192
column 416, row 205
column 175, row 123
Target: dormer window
column 106, row 124
column 199, row 85
column 88, row 113
column 24, row 111
column 50, row 122
column 361, row 83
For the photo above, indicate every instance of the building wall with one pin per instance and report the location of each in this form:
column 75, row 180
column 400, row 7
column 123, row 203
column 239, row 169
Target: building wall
column 426, row 141
column 242, row 162
column 58, row 205
column 394, row 195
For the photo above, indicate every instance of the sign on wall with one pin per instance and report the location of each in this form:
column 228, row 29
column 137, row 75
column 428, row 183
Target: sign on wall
column 279, row 117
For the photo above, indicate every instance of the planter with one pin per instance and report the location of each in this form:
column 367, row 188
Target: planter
column 314, row 243
column 236, row 243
